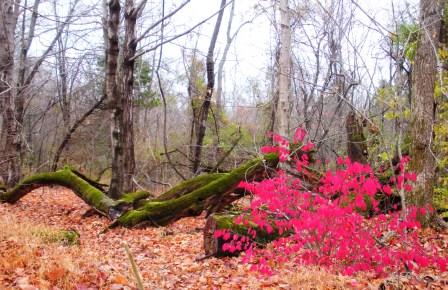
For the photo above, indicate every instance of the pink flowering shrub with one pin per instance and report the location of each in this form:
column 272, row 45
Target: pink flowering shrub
column 329, row 228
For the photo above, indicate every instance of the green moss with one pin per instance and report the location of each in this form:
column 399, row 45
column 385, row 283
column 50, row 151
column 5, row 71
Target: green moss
column 65, row 177
column 441, row 202
column 189, row 186
column 130, row 198
column 163, row 212
column 66, row 237
column 226, row 222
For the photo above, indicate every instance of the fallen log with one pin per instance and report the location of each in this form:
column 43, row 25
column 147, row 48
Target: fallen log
column 213, row 245
column 189, row 198
column 90, row 194
column 160, row 213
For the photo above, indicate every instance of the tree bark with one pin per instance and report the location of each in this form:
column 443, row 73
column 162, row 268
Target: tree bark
column 10, row 164
column 225, row 221
column 356, row 141
column 127, row 70
column 113, row 97
column 203, row 114
column 120, row 92
column 423, row 103
column 284, row 78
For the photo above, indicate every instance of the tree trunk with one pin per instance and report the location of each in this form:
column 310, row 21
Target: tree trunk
column 13, row 105
column 423, row 104
column 356, row 141
column 123, row 163
column 67, row 178
column 113, row 97
column 284, row 78
column 203, row 114
column 130, row 46
column 70, row 132
column 213, row 245
column 159, row 213
column 220, row 72
column 10, row 158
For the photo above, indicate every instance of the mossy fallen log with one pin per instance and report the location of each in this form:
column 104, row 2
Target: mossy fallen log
column 189, row 198
column 159, row 213
column 213, row 246
column 189, row 185
column 65, row 177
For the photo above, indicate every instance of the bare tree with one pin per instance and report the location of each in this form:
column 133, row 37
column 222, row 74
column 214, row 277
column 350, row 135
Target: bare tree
column 230, row 37
column 16, row 95
column 203, row 114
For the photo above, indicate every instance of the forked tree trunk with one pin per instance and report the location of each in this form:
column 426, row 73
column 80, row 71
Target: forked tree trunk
column 120, row 93
column 129, row 49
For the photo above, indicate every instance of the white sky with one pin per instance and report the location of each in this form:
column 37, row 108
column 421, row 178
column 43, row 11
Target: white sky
column 249, row 56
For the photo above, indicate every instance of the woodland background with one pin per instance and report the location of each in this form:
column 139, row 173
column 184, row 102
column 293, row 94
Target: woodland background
column 142, row 95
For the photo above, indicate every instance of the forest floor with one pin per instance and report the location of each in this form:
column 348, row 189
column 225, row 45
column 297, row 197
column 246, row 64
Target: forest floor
column 31, row 258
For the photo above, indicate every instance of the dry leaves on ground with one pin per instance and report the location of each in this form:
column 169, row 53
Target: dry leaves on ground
column 166, row 256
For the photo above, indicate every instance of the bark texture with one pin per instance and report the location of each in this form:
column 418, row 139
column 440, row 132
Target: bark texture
column 113, row 97
column 10, row 157
column 284, row 70
column 356, row 141
column 120, row 90
column 225, row 221
column 423, row 103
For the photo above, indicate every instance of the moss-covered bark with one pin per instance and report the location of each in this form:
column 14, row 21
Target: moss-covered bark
column 189, row 198
column 213, row 245
column 158, row 213
column 65, row 177
column 189, row 186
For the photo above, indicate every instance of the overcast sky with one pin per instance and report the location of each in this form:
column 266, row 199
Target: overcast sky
column 249, row 56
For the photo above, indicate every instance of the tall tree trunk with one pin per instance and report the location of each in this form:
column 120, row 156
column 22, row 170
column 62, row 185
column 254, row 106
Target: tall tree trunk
column 63, row 95
column 10, row 158
column 284, row 78
column 203, row 114
column 113, row 97
column 130, row 46
column 423, row 104
column 120, row 92
column 220, row 71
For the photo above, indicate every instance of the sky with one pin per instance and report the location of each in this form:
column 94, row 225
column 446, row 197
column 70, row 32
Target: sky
column 248, row 58
column 250, row 53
